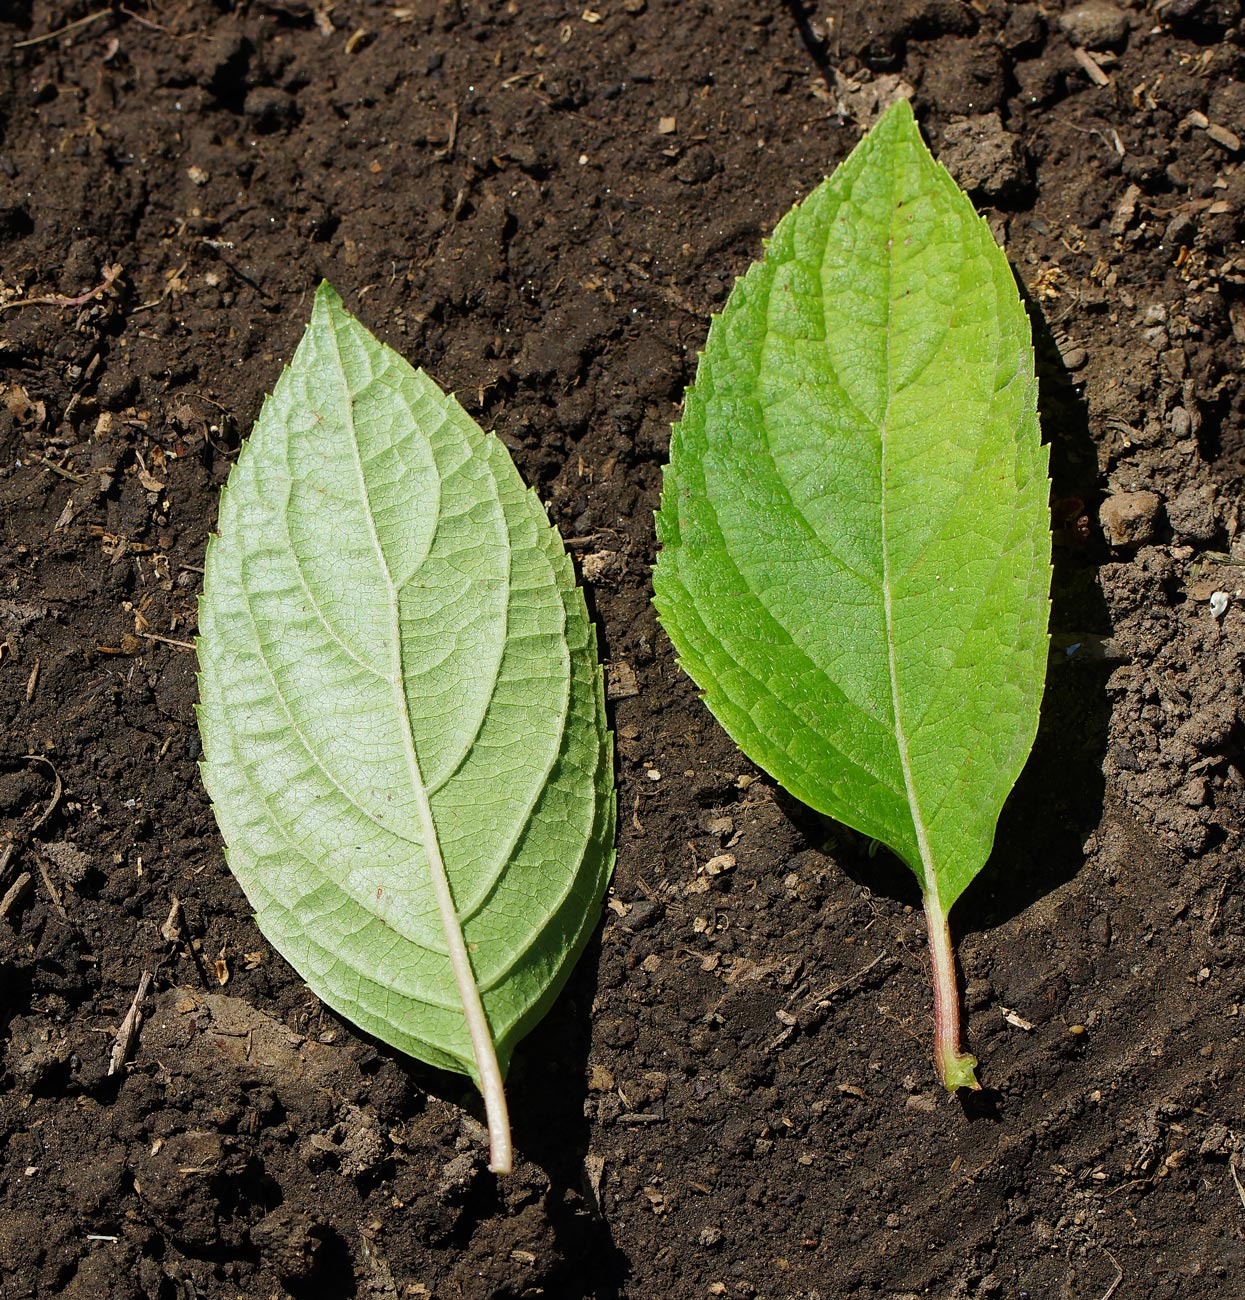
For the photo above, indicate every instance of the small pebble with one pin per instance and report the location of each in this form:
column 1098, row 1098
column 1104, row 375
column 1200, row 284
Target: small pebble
column 1095, row 25
column 1130, row 518
column 1075, row 358
column 644, row 913
column 1226, row 139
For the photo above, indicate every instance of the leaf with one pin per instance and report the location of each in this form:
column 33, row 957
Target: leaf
column 854, row 524
column 402, row 711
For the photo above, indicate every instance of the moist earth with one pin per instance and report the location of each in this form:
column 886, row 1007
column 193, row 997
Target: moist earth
column 543, row 204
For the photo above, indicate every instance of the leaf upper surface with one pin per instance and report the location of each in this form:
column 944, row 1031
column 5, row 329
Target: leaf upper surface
column 854, row 524
column 393, row 647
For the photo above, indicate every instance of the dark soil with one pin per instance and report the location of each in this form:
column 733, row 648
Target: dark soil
column 543, row 204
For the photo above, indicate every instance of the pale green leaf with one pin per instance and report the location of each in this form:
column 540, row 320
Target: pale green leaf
column 855, row 527
column 402, row 710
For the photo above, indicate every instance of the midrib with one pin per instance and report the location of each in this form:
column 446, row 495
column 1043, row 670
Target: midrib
column 929, row 882
column 460, row 960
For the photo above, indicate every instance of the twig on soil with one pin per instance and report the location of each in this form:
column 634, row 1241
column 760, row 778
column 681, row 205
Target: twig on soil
column 167, row 640
column 1236, row 1178
column 58, row 469
column 146, row 22
column 91, row 367
column 813, row 1001
column 129, row 1026
column 32, row 681
column 823, row 996
column 62, row 31
column 57, row 790
column 452, row 141
column 21, row 884
column 49, row 808
column 50, row 885
column 111, row 275
column 1119, row 1275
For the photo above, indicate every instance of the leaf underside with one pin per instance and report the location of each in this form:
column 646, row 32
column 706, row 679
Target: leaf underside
column 390, row 629
column 855, row 557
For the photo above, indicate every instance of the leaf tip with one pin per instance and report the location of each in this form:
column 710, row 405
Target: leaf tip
column 899, row 111
column 327, row 296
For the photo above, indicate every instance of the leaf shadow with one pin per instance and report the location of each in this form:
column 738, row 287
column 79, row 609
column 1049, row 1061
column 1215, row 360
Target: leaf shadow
column 546, row 1091
column 1058, row 798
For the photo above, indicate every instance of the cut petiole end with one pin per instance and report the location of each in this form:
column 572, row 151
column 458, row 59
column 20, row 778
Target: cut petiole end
column 500, row 1147
column 492, row 1087
column 956, row 1069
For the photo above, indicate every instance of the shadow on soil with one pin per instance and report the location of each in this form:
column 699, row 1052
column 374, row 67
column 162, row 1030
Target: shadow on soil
column 546, row 1090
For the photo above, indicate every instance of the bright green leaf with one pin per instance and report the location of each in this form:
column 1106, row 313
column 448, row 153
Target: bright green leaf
column 402, row 710
column 855, row 523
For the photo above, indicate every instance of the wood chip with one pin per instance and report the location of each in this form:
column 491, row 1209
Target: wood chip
column 33, row 680
column 128, row 1031
column 1125, row 210
column 171, row 930
column 66, row 516
column 620, row 681
column 15, row 893
column 1016, row 1021
column 1093, row 69
column 1224, row 138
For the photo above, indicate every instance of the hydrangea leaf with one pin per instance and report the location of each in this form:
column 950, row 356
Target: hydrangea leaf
column 855, row 526
column 402, row 711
